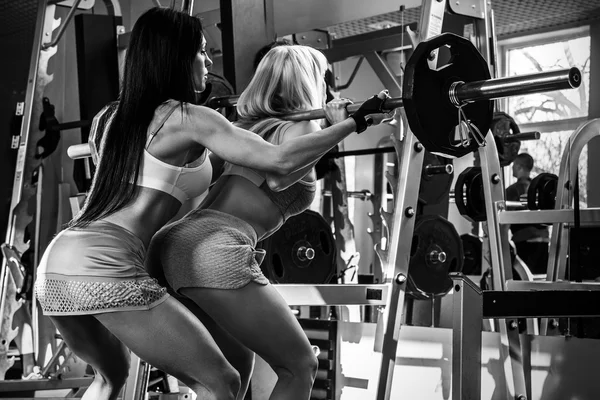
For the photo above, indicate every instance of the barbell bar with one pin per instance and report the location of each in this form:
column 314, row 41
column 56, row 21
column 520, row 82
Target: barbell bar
column 458, row 93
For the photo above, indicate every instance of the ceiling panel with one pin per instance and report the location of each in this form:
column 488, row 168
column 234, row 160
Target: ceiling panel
column 512, row 17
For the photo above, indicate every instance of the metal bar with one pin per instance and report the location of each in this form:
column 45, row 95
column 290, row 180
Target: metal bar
column 547, row 285
column 589, row 216
column 363, row 152
column 515, row 205
column 292, row 16
column 78, row 151
column 464, row 92
column 396, row 260
column 231, row 101
column 522, row 136
column 63, row 26
column 499, row 246
column 518, row 85
column 381, row 40
column 467, row 320
column 136, row 387
column 446, row 169
column 333, row 295
column 187, row 6
column 22, row 385
column 74, row 125
column 544, row 303
column 385, row 74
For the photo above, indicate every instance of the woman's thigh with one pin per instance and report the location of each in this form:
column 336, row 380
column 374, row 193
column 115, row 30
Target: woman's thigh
column 172, row 339
column 259, row 318
column 94, row 344
column 240, row 356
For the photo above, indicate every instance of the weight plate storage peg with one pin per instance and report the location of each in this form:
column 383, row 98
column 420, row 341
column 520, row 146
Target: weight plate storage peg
column 541, row 194
column 436, row 251
column 431, row 115
column 301, row 251
column 435, row 186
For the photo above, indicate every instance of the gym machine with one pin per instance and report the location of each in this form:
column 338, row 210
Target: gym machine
column 471, row 94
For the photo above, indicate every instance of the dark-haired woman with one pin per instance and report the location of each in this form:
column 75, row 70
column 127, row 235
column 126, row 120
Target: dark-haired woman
column 152, row 157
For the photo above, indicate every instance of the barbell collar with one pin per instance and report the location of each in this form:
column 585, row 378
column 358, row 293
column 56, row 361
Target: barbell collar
column 305, row 253
column 519, row 85
column 437, row 256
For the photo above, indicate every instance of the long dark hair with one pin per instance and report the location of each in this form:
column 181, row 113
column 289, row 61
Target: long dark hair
column 158, row 67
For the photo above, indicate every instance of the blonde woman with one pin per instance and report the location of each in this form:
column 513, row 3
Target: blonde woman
column 209, row 257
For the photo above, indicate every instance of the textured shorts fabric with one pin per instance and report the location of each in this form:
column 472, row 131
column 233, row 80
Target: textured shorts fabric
column 96, row 269
column 206, row 249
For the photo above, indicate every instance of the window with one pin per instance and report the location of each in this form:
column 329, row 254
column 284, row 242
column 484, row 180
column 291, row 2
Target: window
column 554, row 114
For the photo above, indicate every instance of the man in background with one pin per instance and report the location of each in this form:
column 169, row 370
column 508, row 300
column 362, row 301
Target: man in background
column 531, row 240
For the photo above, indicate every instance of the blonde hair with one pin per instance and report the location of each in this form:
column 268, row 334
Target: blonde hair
column 289, row 78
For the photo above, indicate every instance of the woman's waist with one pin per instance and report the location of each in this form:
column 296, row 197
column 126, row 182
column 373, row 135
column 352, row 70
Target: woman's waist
column 142, row 226
column 264, row 218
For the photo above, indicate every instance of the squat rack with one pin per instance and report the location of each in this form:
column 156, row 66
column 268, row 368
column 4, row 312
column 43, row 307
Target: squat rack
column 400, row 223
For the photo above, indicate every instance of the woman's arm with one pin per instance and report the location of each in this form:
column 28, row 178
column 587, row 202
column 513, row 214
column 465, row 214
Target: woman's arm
column 239, row 146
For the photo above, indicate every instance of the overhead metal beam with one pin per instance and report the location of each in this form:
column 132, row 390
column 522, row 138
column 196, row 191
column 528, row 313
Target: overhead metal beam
column 292, row 16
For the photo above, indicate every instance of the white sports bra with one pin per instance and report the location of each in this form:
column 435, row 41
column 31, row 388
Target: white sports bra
column 183, row 183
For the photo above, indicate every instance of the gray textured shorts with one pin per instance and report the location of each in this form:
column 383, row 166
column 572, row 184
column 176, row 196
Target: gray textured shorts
column 96, row 269
column 207, row 249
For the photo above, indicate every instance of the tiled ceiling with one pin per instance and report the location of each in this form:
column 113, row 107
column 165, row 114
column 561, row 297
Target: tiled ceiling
column 512, row 17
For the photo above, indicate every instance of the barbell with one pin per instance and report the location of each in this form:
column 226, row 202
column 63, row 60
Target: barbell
column 434, row 98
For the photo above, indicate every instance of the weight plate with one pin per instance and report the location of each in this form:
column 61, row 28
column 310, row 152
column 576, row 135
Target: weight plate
column 431, row 116
column 301, row 251
column 436, row 250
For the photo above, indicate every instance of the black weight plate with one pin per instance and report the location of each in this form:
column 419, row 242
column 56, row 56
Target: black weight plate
column 503, row 126
column 476, row 198
column 430, row 114
column 468, row 194
column 426, row 278
column 472, row 249
column 541, row 194
column 282, row 263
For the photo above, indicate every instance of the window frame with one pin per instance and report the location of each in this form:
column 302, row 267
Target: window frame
column 504, row 47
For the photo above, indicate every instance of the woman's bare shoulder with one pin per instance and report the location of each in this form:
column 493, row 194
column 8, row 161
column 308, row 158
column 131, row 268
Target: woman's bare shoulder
column 300, row 128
